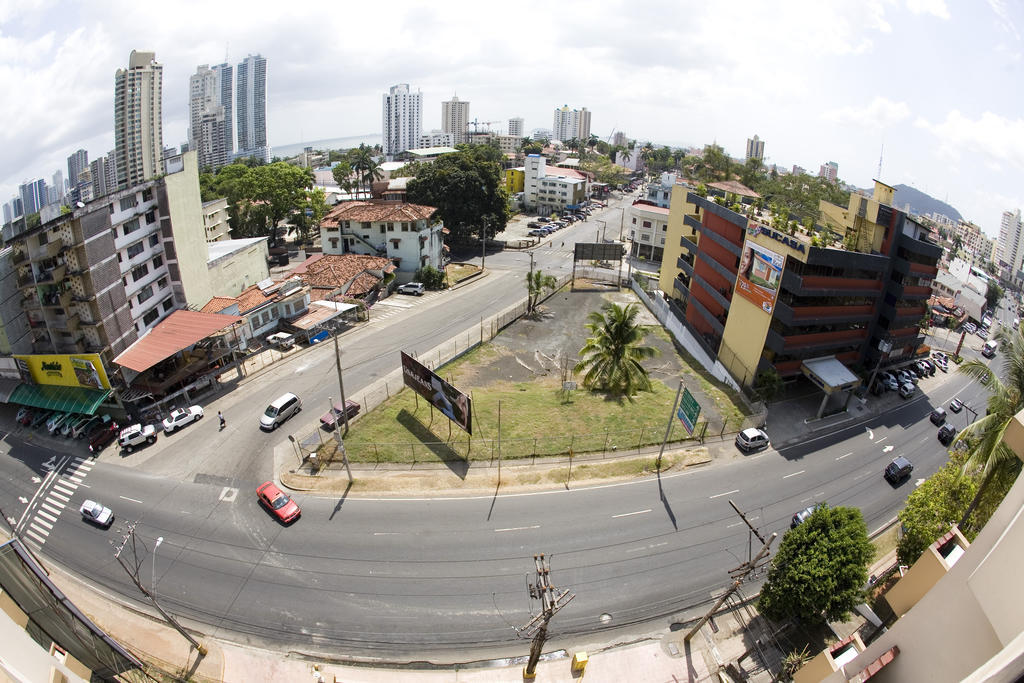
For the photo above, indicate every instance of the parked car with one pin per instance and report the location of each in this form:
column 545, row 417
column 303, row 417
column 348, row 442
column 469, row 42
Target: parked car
column 136, row 435
column 24, row 415
column 898, row 470
column 274, row 499
column 40, row 418
column 907, row 390
column 69, row 426
column 941, row 363
column 55, row 421
column 890, row 384
column 751, row 439
column 413, row 288
column 181, row 417
column 956, row 405
column 102, row 436
column 97, row 513
column 351, row 408
column 801, row 517
column 84, row 429
column 538, row 232
column 938, row 416
column 946, row 434
column 281, row 340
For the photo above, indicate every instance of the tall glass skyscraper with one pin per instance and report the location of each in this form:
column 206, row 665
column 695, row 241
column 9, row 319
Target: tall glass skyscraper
column 251, row 108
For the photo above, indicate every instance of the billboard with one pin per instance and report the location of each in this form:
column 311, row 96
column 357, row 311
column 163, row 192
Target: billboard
column 759, row 276
column 78, row 370
column 443, row 396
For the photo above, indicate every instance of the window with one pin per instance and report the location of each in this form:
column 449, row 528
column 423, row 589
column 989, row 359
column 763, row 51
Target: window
column 383, row 228
column 333, row 241
column 145, row 293
column 131, row 226
column 147, row 194
column 139, row 272
column 405, row 227
column 646, row 224
column 158, row 261
column 150, row 316
column 128, row 203
column 154, row 239
column 168, row 304
column 162, row 282
column 645, row 238
column 135, row 249
column 150, row 216
column 634, row 220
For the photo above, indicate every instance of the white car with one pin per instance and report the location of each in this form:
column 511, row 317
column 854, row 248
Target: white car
column 136, row 435
column 181, row 417
column 414, row 288
column 97, row 513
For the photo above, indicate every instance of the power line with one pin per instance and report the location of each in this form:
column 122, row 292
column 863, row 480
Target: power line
column 552, row 600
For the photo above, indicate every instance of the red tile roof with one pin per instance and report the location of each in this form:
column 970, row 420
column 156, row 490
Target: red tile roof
column 735, row 187
column 376, row 211
column 333, row 271
column 177, row 331
column 217, row 304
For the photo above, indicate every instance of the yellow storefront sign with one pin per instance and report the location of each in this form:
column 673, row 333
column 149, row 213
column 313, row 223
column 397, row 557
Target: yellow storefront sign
column 78, row 370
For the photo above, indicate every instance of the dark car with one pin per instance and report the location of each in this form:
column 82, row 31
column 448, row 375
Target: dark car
column 938, row 416
column 946, row 434
column 327, row 420
column 801, row 517
column 102, row 436
column 898, row 470
column 956, row 405
column 274, row 499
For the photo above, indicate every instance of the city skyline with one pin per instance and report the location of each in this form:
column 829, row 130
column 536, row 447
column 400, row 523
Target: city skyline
column 854, row 83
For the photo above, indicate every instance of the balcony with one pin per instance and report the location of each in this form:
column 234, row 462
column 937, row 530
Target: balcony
column 807, row 315
column 685, row 266
column 716, row 325
column 55, row 274
column 728, row 275
column 680, row 289
column 687, row 244
column 54, row 299
column 722, row 299
column 26, row 280
column 19, row 258
column 825, row 340
column 48, row 251
column 67, row 323
column 814, row 285
column 920, row 247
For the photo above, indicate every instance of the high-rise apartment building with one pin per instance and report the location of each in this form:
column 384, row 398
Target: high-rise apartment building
column 402, row 117
column 755, row 148
column 138, row 125
column 207, row 117
column 455, row 119
column 620, row 139
column 251, row 102
column 1009, row 250
column 33, row 196
column 77, row 162
column 515, row 126
column 829, row 171
column 226, row 85
column 571, row 123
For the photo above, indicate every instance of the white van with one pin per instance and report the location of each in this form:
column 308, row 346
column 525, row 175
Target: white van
column 281, row 340
column 280, row 410
column 989, row 349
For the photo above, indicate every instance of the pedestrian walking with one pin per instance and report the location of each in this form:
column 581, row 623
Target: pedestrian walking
column 223, row 422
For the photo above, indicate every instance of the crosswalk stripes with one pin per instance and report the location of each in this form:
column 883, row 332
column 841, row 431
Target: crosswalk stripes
column 56, row 501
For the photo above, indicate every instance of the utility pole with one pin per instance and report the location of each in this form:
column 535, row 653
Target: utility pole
column 341, row 384
column 742, row 570
column 551, row 601
column 337, row 437
column 132, row 568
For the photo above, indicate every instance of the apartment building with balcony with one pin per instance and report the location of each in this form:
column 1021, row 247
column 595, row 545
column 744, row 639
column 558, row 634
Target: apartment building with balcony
column 547, row 190
column 758, row 299
column 407, row 234
column 648, row 229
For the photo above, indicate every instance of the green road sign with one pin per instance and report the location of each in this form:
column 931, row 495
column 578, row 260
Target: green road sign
column 688, row 411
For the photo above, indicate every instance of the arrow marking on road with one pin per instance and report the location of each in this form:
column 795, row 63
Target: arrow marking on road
column 22, row 499
column 719, row 495
column 887, row 449
column 36, row 480
column 627, row 514
column 919, row 482
column 871, row 434
column 794, row 474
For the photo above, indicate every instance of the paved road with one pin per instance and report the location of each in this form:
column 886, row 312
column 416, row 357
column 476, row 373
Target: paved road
column 415, row 578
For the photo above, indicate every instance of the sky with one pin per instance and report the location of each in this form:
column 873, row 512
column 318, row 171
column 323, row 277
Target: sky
column 929, row 88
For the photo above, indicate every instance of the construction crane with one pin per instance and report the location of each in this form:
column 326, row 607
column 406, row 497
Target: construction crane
column 476, row 125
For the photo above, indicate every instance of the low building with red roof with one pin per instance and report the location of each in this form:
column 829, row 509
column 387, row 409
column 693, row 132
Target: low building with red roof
column 408, row 235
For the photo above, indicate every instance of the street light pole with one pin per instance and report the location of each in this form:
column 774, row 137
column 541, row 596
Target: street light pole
column 152, row 575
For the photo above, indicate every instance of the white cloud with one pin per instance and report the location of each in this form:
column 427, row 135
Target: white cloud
column 1002, row 12
column 996, row 139
column 879, row 113
column 935, row 7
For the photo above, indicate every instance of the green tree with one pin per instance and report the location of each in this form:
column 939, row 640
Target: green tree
column 313, row 209
column 626, row 154
column 933, row 508
column 365, row 167
column 987, row 452
column 767, row 385
column 467, row 189
column 993, row 294
column 431, row 277
column 536, row 283
column 611, row 358
column 820, row 569
column 342, row 173
column 752, row 172
column 604, row 170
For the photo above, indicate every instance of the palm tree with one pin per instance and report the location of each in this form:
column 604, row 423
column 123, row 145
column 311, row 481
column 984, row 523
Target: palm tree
column 625, row 153
column 611, row 357
column 536, row 283
column 364, row 165
column 988, row 453
column 371, row 174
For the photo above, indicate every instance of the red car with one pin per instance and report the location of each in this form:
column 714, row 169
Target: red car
column 102, row 436
column 283, row 507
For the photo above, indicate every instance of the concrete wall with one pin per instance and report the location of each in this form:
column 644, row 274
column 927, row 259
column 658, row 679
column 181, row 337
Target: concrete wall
column 185, row 207
column 229, row 276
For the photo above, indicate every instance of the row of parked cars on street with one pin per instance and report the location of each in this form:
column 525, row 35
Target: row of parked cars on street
column 905, row 379
column 98, row 430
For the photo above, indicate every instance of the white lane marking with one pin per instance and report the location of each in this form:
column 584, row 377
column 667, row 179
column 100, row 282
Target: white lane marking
column 871, row 434
column 646, row 547
column 518, row 528
column 882, row 439
column 861, row 476
column 46, row 524
column 57, row 495
column 46, row 506
column 386, row 533
column 719, row 495
column 806, row 499
column 40, row 539
column 131, row 499
column 69, row 490
column 75, row 479
column 47, row 515
column 843, row 456
column 794, row 474
column 38, row 530
column 50, row 501
column 628, row 514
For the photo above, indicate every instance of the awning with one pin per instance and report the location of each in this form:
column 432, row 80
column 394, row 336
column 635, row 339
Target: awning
column 64, row 399
column 318, row 313
column 174, row 333
column 829, row 374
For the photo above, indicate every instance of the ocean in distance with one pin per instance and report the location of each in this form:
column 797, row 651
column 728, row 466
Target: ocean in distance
column 290, row 150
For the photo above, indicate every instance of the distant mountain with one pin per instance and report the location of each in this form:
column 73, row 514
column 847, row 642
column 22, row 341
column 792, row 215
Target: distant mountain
column 921, row 203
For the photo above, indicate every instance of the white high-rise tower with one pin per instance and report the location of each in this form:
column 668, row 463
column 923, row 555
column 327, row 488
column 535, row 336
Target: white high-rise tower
column 138, row 124
column 455, row 119
column 251, row 112
column 402, row 116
